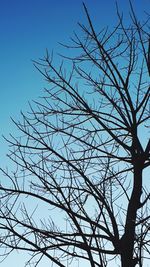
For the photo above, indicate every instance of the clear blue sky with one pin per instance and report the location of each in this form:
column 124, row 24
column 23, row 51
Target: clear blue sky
column 27, row 28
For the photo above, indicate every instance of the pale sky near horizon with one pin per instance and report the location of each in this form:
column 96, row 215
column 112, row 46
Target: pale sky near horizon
column 27, row 28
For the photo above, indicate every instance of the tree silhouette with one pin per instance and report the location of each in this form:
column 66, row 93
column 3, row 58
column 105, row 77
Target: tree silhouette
column 81, row 157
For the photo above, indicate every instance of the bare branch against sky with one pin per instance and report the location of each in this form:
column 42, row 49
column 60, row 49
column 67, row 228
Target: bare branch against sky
column 79, row 193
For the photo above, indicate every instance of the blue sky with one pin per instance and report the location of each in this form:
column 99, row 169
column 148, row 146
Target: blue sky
column 27, row 28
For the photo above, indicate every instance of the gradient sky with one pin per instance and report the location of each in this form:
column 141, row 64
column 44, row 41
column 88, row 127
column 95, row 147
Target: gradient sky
column 27, row 28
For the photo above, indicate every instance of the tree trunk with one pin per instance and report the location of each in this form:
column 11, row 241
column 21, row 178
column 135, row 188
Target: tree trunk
column 128, row 239
column 127, row 261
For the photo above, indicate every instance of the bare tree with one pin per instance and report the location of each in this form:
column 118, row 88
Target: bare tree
column 82, row 155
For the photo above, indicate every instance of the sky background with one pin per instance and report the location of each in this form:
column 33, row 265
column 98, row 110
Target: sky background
column 27, row 28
